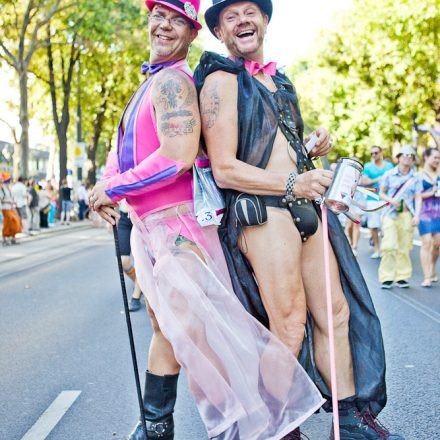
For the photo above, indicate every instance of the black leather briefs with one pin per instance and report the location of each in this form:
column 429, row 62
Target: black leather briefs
column 302, row 211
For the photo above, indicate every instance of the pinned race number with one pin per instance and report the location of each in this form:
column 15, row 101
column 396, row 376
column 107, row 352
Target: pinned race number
column 208, row 218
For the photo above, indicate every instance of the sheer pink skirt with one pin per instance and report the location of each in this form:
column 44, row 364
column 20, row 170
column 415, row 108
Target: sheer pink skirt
column 247, row 385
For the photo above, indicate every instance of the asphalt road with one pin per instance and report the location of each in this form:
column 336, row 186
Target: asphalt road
column 62, row 329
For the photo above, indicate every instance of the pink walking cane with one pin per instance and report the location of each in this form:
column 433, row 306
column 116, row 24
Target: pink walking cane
column 331, row 338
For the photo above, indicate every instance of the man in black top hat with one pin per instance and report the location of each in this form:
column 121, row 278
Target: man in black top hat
column 271, row 232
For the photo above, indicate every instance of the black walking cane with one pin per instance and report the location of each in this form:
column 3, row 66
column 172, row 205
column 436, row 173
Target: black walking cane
column 130, row 330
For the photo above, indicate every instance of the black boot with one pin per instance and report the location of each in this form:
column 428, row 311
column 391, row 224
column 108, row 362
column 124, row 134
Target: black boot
column 362, row 425
column 294, row 435
column 159, row 400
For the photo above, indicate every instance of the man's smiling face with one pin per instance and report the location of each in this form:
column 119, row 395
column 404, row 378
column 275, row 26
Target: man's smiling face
column 170, row 35
column 242, row 27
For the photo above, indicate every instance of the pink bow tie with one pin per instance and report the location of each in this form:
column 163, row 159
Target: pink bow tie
column 253, row 68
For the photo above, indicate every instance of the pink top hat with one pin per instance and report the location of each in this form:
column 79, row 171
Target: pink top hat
column 189, row 8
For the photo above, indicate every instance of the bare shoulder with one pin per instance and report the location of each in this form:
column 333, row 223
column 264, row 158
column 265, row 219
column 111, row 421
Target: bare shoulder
column 218, row 98
column 173, row 89
column 224, row 82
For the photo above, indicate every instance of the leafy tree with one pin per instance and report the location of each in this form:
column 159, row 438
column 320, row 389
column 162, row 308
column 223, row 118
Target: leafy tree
column 93, row 30
column 368, row 77
column 22, row 25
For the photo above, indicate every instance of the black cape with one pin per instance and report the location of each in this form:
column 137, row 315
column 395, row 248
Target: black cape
column 258, row 112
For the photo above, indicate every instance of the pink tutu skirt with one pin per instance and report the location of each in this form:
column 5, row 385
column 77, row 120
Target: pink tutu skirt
column 246, row 383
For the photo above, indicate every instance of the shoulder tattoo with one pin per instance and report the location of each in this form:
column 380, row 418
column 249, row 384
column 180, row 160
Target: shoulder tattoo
column 174, row 99
column 209, row 105
column 174, row 91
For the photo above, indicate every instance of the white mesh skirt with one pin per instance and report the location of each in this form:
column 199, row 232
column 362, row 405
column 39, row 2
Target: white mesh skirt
column 246, row 383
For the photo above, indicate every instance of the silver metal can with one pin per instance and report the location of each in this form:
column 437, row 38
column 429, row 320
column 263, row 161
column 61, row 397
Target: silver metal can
column 345, row 181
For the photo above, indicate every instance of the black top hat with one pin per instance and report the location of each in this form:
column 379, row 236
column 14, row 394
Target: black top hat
column 212, row 14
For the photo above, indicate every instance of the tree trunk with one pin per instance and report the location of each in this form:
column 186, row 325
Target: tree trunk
column 97, row 129
column 24, row 122
column 16, row 160
column 91, row 174
column 62, row 141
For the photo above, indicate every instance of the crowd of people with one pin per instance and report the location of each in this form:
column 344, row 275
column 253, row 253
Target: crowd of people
column 412, row 194
column 28, row 206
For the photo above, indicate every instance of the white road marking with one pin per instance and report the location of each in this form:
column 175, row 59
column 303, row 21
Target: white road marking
column 48, row 420
column 418, row 306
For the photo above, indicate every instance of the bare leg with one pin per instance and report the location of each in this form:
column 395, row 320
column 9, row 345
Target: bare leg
column 131, row 273
column 349, row 232
column 274, row 251
column 161, row 360
column 137, row 292
column 435, row 255
column 356, row 235
column 375, row 236
column 314, row 283
column 426, row 258
column 128, row 267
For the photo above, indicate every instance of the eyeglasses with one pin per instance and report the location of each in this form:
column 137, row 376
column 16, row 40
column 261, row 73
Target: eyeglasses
column 175, row 22
column 407, row 155
column 375, row 153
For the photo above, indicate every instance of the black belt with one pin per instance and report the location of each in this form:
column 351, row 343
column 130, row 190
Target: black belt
column 302, row 211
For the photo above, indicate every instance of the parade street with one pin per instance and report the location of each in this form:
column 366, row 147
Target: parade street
column 65, row 366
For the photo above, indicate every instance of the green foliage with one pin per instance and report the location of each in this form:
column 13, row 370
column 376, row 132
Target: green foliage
column 368, row 77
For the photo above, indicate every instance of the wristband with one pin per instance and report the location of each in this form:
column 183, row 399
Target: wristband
column 290, row 186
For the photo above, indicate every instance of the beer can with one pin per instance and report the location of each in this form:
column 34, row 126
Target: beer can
column 345, row 181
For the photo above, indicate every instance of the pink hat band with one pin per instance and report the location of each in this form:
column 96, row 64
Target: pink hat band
column 189, row 9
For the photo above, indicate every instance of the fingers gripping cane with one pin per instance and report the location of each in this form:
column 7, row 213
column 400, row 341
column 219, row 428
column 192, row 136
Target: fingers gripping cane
column 130, row 331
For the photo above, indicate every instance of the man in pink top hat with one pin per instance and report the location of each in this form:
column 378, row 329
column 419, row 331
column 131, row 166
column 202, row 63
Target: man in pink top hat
column 173, row 26
column 247, row 384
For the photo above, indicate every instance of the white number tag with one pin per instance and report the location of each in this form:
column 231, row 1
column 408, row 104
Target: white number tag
column 208, row 218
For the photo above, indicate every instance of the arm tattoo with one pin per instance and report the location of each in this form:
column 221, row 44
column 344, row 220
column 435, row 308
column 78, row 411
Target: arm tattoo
column 170, row 91
column 176, row 100
column 170, row 115
column 175, row 91
column 173, row 129
column 210, row 105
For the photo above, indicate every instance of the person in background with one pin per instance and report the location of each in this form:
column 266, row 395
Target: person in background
column 53, row 204
column 373, row 174
column 20, row 195
column 353, row 228
column 33, row 206
column 429, row 226
column 66, row 202
column 11, row 220
column 124, row 232
column 124, row 227
column 82, row 200
column 44, row 205
column 401, row 188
